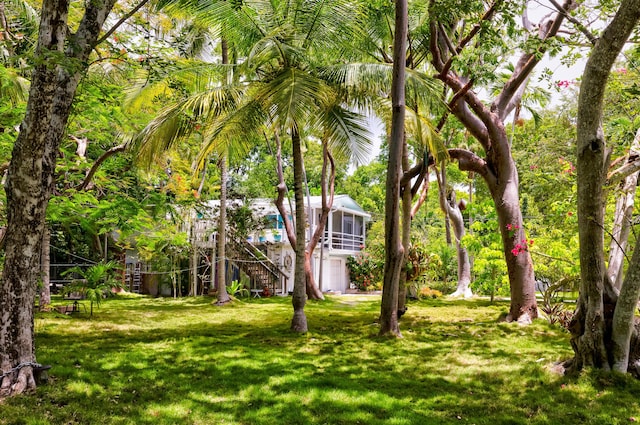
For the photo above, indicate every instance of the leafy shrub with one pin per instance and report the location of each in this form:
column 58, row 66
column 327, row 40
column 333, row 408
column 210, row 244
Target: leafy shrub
column 426, row 292
column 362, row 271
column 554, row 310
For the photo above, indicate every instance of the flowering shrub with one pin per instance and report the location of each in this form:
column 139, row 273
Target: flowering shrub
column 426, row 292
column 362, row 271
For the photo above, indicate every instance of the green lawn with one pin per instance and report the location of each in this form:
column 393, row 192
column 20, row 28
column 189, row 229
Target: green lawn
column 165, row 361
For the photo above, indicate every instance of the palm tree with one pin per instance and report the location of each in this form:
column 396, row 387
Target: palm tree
column 95, row 283
column 285, row 90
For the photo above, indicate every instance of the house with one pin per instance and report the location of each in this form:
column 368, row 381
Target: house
column 267, row 256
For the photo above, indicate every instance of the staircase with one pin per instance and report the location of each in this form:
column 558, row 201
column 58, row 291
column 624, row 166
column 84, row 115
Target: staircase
column 262, row 271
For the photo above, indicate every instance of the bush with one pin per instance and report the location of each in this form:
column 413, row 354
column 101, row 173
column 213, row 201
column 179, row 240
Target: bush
column 426, row 292
column 362, row 272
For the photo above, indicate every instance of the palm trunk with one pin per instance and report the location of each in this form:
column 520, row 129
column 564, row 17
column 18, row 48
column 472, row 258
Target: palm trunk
column 223, row 296
column 299, row 299
column 407, row 199
column 394, row 251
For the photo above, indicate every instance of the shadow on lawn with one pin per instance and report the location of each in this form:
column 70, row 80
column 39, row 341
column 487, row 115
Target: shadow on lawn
column 249, row 369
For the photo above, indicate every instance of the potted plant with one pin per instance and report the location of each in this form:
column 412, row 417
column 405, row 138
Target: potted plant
column 262, row 236
column 276, row 235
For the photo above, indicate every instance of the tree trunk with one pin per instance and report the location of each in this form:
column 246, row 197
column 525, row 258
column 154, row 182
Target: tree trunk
column 30, row 178
column 299, row 299
column 622, row 220
column 598, row 307
column 523, row 306
column 447, row 221
column 394, row 251
column 450, row 207
column 486, row 124
column 407, row 198
column 45, row 264
column 223, row 296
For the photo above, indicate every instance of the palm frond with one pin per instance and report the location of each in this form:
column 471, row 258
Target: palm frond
column 233, row 132
column 291, row 97
column 348, row 134
column 12, row 86
column 424, row 133
column 179, row 120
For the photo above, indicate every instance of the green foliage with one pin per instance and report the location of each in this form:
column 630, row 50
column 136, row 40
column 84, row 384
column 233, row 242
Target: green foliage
column 442, row 263
column 363, row 272
column 95, row 282
column 553, row 308
column 237, row 289
column 485, row 243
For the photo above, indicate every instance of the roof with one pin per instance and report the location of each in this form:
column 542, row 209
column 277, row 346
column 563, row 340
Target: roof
column 265, row 206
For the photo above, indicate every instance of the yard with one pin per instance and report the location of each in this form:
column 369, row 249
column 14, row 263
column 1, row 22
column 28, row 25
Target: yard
column 164, row 361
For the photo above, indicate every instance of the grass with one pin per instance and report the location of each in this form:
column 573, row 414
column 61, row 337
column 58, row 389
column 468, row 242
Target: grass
column 165, row 361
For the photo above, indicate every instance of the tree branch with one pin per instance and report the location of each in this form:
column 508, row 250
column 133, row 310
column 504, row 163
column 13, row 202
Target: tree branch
column 326, row 203
column 96, row 165
column 468, row 161
column 121, row 21
column 488, row 15
column 282, row 193
column 526, row 63
column 592, row 38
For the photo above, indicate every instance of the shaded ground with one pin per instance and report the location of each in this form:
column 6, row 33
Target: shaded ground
column 163, row 361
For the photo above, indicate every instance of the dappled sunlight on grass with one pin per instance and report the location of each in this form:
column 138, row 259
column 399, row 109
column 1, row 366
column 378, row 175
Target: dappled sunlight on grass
column 165, row 361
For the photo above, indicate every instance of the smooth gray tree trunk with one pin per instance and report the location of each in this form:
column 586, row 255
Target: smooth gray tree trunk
column 299, row 299
column 622, row 220
column 591, row 327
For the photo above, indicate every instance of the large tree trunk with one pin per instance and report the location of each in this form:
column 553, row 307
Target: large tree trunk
column 523, row 306
column 486, row 124
column 299, row 299
column 394, row 251
column 592, row 329
column 622, row 219
column 31, row 174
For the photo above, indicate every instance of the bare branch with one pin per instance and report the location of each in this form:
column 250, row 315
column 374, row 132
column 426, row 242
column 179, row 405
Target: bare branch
column 469, row 161
column 582, row 28
column 527, row 62
column 488, row 15
column 121, row 21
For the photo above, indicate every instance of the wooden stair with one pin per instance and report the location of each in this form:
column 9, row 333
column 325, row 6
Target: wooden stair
column 263, row 272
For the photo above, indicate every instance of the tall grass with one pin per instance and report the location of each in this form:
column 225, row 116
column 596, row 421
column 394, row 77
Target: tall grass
column 165, row 361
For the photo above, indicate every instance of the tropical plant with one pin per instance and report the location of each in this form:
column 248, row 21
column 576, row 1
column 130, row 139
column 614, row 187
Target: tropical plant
column 237, row 289
column 95, row 283
column 362, row 272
